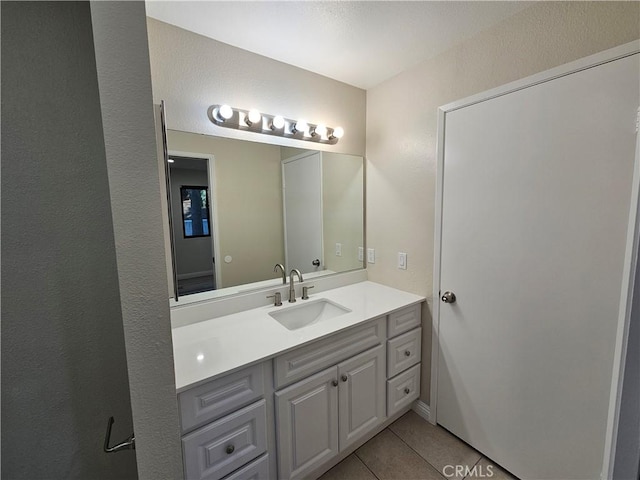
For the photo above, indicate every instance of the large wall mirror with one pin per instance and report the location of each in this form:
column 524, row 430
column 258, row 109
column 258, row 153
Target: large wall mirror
column 239, row 208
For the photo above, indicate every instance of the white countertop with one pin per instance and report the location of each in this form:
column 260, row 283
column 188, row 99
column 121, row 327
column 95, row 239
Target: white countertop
column 207, row 349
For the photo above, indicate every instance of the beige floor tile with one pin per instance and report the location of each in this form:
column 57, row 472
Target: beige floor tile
column 486, row 469
column 437, row 446
column 351, row 468
column 389, row 458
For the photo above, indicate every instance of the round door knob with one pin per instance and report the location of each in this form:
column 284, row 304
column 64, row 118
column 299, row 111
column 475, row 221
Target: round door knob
column 344, row 378
column 334, row 383
column 316, row 262
column 230, row 449
column 449, row 297
column 407, row 353
column 406, row 390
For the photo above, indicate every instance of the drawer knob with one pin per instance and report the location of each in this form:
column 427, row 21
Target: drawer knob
column 407, row 391
column 407, row 353
column 344, row 378
column 230, row 449
column 334, row 383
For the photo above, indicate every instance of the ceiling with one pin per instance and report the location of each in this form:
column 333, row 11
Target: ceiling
column 359, row 43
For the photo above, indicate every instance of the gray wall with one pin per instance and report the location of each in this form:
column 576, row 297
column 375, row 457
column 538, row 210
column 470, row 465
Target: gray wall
column 627, row 461
column 64, row 368
column 192, row 254
column 124, row 79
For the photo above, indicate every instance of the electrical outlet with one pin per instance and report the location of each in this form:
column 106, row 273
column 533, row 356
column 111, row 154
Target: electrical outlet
column 361, row 253
column 402, row 261
column 371, row 255
column 338, row 249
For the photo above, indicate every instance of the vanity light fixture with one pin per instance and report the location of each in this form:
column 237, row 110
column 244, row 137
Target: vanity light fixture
column 319, row 130
column 223, row 113
column 257, row 122
column 252, row 117
column 300, row 126
column 337, row 133
column 277, row 122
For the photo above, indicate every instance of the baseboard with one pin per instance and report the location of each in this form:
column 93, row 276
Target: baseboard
column 422, row 409
column 187, row 276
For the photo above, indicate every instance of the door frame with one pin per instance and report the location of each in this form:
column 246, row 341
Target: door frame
column 213, row 205
column 631, row 253
column 284, row 204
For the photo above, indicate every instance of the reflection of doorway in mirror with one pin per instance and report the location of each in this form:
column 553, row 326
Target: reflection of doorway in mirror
column 193, row 206
column 302, row 188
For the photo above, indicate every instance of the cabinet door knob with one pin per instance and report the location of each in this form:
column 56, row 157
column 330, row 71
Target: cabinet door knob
column 406, row 390
column 407, row 353
column 334, row 383
column 344, row 378
column 230, row 449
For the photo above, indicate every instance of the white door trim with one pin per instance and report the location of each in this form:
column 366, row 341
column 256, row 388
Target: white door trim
column 213, row 201
column 630, row 255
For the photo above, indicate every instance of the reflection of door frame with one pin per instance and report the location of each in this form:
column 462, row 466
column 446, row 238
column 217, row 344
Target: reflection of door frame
column 213, row 205
column 284, row 207
column 631, row 254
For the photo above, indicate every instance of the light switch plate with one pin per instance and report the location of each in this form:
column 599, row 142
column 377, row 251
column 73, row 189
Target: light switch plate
column 361, row 253
column 402, row 261
column 338, row 249
column 371, row 255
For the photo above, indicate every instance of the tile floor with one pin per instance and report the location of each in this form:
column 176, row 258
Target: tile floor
column 413, row 449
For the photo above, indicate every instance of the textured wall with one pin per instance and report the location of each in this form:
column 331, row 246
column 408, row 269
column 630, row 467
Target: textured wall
column 402, row 118
column 122, row 60
column 64, row 369
column 191, row 72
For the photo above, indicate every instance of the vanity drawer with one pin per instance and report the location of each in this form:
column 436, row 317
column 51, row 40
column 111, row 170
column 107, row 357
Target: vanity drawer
column 305, row 361
column 403, row 351
column 402, row 390
column 214, row 399
column 221, row 447
column 256, row 470
column 403, row 320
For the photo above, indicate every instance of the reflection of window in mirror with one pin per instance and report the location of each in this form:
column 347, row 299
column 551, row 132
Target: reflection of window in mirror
column 195, row 211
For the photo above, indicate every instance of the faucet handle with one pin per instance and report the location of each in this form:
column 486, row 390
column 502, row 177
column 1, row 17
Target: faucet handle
column 305, row 292
column 277, row 299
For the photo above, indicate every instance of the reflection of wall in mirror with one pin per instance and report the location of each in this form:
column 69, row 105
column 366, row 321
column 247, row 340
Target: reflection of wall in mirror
column 343, row 220
column 250, row 225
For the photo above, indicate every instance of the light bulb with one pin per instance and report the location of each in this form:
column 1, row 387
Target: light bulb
column 225, row 112
column 300, row 126
column 277, row 123
column 338, row 132
column 320, row 130
column 252, row 117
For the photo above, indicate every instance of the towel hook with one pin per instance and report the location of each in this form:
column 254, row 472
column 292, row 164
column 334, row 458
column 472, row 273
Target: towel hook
column 128, row 444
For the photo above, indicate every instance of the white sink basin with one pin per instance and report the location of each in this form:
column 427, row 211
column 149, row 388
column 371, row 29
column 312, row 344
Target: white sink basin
column 308, row 313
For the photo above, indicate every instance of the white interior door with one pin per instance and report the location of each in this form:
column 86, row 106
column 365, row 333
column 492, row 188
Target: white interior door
column 536, row 198
column 302, row 192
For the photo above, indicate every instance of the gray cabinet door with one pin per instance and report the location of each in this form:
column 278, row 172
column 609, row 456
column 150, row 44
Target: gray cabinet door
column 362, row 394
column 307, row 424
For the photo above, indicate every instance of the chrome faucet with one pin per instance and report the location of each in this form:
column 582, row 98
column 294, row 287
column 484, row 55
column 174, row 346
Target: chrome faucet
column 284, row 274
column 292, row 291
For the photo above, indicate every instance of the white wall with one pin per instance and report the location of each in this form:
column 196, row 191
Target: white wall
column 191, row 73
column 122, row 58
column 402, row 115
column 342, row 210
column 64, row 367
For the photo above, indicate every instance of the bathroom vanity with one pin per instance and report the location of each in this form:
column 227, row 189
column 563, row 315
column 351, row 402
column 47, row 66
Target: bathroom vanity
column 288, row 391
